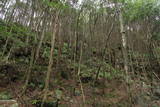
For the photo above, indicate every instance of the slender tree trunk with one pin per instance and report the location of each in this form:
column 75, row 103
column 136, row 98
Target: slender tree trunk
column 125, row 56
column 30, row 24
column 28, row 74
column 50, row 60
column 104, row 51
column 3, row 6
column 42, row 38
column 124, row 45
column 6, row 43
column 60, row 46
column 79, row 71
column 12, row 13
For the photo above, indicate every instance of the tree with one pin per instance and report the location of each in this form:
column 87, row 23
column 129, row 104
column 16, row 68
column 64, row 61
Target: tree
column 55, row 24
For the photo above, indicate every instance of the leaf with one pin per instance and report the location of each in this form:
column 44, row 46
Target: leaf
column 34, row 101
column 58, row 94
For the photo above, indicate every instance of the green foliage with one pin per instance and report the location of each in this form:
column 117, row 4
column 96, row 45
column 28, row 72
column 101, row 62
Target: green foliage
column 65, row 51
column 156, row 32
column 109, row 72
column 110, row 95
column 46, row 52
column 5, row 95
column 140, row 9
column 37, row 103
column 32, row 85
column 90, row 68
column 156, row 36
column 144, row 55
column 55, row 4
column 59, row 94
column 34, row 102
column 16, row 34
column 87, row 71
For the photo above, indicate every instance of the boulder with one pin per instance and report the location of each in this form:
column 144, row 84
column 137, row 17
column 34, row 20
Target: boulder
column 8, row 103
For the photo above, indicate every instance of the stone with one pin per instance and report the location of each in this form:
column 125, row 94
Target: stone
column 157, row 92
column 8, row 103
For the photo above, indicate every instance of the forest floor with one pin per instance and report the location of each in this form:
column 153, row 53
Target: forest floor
column 68, row 92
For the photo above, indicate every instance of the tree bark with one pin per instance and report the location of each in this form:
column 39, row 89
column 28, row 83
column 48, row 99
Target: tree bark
column 42, row 37
column 124, row 44
column 50, row 60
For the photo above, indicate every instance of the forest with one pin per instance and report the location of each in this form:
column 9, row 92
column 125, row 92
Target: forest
column 79, row 53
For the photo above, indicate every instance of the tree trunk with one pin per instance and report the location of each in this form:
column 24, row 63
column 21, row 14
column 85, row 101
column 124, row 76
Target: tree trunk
column 41, row 39
column 50, row 60
column 28, row 74
column 124, row 45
